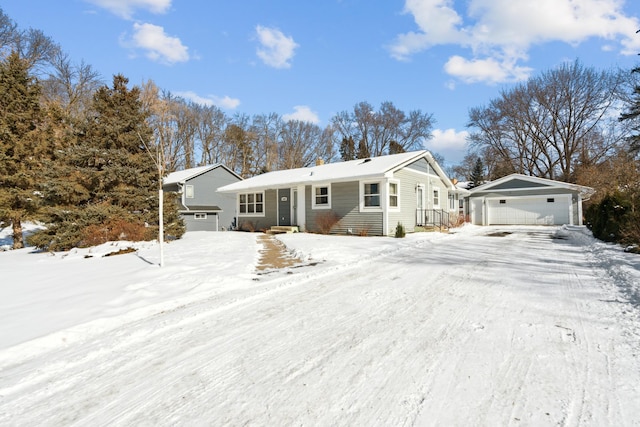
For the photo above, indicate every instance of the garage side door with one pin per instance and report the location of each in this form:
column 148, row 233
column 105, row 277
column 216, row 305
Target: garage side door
column 547, row 210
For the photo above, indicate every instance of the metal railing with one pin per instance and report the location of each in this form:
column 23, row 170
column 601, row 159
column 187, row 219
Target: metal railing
column 436, row 218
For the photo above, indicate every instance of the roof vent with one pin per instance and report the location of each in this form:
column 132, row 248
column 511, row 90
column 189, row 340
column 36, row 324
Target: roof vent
column 366, row 160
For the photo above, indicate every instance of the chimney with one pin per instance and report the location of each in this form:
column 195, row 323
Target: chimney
column 319, row 162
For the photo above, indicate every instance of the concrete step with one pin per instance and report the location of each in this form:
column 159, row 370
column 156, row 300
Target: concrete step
column 280, row 229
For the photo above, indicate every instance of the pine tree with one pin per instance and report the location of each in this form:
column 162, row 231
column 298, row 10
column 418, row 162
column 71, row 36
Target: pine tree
column 477, row 174
column 106, row 183
column 633, row 114
column 395, row 148
column 20, row 163
column 347, row 149
column 363, row 150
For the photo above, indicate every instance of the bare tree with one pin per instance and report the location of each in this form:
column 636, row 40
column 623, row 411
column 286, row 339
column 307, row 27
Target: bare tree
column 186, row 125
column 8, row 33
column 209, row 132
column 552, row 123
column 37, row 49
column 71, row 86
column 267, row 129
column 239, row 146
column 374, row 131
column 302, row 144
column 161, row 108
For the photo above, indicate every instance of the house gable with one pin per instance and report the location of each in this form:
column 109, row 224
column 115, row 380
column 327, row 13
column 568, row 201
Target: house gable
column 422, row 165
column 516, row 183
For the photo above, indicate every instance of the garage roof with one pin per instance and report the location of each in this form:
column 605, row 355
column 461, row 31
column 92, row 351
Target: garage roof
column 518, row 181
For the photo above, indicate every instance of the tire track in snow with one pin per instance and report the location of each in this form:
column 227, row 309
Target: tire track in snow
column 370, row 343
column 84, row 362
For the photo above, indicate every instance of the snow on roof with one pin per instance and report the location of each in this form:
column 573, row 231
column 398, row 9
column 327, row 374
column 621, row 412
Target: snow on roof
column 332, row 172
column 182, row 176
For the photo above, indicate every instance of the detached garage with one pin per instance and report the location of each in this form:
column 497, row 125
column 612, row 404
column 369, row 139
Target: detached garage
column 525, row 200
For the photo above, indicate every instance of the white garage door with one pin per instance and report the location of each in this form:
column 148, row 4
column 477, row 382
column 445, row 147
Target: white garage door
column 547, row 210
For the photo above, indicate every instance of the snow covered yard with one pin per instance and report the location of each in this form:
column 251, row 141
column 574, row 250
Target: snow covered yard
column 483, row 326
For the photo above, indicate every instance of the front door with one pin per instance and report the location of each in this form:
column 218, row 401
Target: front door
column 284, row 206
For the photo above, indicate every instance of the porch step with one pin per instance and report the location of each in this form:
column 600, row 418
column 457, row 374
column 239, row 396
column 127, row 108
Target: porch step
column 281, row 229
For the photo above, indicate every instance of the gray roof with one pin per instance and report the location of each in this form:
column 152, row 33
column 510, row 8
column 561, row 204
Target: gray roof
column 179, row 177
column 374, row 167
column 198, row 208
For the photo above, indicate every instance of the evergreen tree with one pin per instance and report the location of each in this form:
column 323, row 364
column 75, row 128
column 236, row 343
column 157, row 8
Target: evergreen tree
column 363, row 150
column 347, row 149
column 395, row 148
column 633, row 114
column 477, row 174
column 20, row 162
column 106, row 183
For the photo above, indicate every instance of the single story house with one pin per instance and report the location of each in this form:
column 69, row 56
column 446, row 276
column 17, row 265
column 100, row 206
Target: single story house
column 519, row 199
column 365, row 196
column 201, row 207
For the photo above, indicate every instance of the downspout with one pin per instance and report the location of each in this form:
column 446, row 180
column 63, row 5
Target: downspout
column 182, row 196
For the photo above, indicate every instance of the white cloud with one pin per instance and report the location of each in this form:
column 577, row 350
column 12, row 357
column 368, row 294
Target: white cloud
column 302, row 113
column 157, row 44
column 448, row 139
column 437, row 21
column 126, row 8
column 499, row 33
column 224, row 102
column 488, row 70
column 449, row 144
column 276, row 49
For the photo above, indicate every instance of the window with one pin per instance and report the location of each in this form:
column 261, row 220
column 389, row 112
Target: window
column 372, row 195
column 503, row 202
column 188, row 191
column 551, row 200
column 200, row 215
column 393, row 194
column 436, row 197
column 251, row 204
column 321, row 197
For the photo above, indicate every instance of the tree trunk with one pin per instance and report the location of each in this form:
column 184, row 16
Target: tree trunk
column 17, row 234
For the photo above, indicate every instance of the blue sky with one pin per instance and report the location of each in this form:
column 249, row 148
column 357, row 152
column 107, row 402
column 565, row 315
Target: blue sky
column 309, row 60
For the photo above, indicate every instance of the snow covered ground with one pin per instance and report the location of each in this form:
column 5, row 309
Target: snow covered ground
column 483, row 326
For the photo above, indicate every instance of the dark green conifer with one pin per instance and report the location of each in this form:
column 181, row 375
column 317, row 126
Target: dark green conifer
column 477, row 174
column 105, row 181
column 347, row 149
column 20, row 160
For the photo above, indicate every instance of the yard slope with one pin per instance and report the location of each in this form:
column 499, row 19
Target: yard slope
column 530, row 328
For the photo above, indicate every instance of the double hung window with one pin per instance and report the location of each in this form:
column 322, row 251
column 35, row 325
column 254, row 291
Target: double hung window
column 251, row 204
column 372, row 195
column 321, row 197
column 393, row 195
